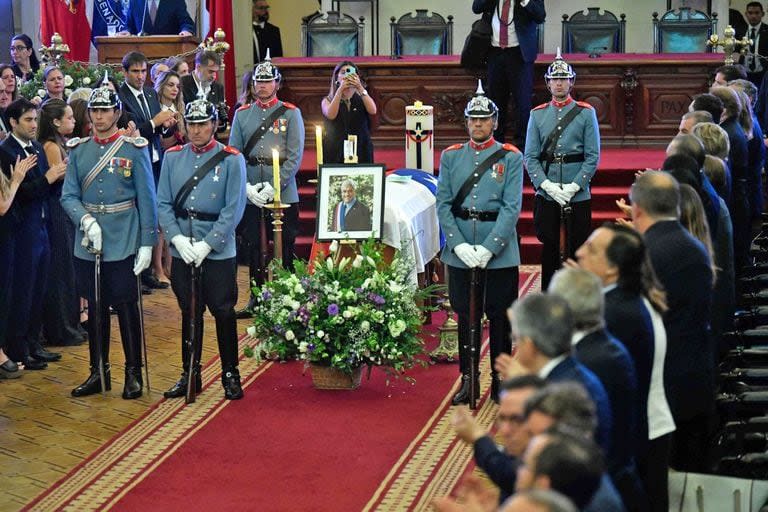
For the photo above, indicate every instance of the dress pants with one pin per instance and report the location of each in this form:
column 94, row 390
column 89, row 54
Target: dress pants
column 653, row 468
column 7, row 246
column 508, row 74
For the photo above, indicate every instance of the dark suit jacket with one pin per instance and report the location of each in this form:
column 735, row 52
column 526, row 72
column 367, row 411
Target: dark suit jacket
column 358, row 218
column 500, row 467
column 189, row 89
column 31, row 200
column 570, row 369
column 761, row 49
column 136, row 113
column 172, row 18
column 682, row 266
column 525, row 19
column 269, row 37
column 627, row 319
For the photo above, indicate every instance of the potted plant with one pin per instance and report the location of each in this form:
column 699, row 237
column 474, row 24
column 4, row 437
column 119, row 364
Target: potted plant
column 342, row 315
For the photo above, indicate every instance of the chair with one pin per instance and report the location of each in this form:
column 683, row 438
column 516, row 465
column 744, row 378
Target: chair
column 683, row 30
column 332, row 35
column 421, row 34
column 593, row 33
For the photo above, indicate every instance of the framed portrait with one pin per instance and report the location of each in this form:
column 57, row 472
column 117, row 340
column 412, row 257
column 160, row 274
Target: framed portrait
column 696, row 5
column 350, row 202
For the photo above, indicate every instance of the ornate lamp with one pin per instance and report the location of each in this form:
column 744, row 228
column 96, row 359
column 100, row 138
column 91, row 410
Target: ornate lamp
column 729, row 44
column 218, row 44
column 54, row 53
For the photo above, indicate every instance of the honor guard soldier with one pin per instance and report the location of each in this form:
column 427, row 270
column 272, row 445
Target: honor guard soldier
column 256, row 129
column 562, row 149
column 201, row 196
column 109, row 193
column 479, row 196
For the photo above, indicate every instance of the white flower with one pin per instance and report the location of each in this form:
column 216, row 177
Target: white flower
column 395, row 287
column 298, row 289
column 396, row 328
column 347, row 313
column 358, row 261
column 334, row 246
column 365, row 325
column 329, row 263
column 303, row 346
column 366, row 284
column 344, row 262
column 86, row 80
column 251, row 331
column 370, row 261
column 67, row 91
column 68, row 80
column 320, row 334
column 41, row 93
column 289, row 335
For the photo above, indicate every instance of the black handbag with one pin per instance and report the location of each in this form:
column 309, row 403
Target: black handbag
column 474, row 55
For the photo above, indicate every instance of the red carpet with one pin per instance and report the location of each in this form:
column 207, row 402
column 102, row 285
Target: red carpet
column 285, row 446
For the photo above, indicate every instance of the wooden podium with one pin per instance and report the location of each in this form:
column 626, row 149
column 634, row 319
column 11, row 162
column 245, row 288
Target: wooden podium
column 112, row 49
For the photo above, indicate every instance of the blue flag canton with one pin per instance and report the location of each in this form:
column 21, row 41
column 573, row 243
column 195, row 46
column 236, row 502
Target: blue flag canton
column 108, row 13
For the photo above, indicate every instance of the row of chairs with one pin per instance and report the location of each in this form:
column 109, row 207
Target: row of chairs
column 333, row 34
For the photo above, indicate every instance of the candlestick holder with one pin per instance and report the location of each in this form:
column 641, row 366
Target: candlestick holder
column 277, row 223
column 448, row 349
column 54, row 53
column 729, row 44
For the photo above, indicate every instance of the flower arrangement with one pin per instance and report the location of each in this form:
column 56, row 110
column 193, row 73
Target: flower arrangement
column 76, row 75
column 346, row 312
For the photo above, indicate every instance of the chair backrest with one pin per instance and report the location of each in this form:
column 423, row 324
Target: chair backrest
column 683, row 30
column 332, row 34
column 540, row 36
column 421, row 34
column 593, row 32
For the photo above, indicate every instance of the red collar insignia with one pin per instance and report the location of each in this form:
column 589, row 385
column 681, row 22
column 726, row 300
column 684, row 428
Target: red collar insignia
column 112, row 138
column 205, row 148
column 561, row 104
column 269, row 104
column 485, row 145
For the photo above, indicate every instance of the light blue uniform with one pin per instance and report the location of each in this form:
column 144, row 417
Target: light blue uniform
column 286, row 134
column 127, row 178
column 221, row 192
column 580, row 137
column 499, row 190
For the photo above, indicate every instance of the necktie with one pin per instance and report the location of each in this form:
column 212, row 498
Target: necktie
column 342, row 213
column 504, row 24
column 29, row 149
column 153, row 11
column 144, row 107
column 752, row 58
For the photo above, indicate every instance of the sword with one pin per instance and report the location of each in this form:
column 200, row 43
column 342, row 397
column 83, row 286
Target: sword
column 143, row 333
column 474, row 331
column 565, row 220
column 97, row 318
column 195, row 276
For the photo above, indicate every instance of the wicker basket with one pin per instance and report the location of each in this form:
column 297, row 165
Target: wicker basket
column 326, row 377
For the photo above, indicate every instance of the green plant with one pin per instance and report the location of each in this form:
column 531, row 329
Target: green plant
column 76, row 75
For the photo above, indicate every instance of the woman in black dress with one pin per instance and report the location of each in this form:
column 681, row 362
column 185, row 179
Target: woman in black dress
column 25, row 61
column 347, row 110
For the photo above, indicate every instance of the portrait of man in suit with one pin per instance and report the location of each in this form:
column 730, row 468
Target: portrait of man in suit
column 157, row 17
column 350, row 214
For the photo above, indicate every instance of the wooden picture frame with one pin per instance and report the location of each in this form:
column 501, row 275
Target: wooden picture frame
column 697, row 5
column 365, row 219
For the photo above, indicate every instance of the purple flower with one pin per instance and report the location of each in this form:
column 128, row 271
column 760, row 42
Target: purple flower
column 279, row 329
column 376, row 299
column 311, row 347
column 304, row 282
column 333, row 310
column 265, row 295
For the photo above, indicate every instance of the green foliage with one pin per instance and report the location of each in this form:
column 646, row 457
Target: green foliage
column 76, row 75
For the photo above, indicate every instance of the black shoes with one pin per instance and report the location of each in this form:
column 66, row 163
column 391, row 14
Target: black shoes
column 462, row 397
column 230, row 379
column 34, row 364
column 9, row 370
column 92, row 384
column 179, row 389
column 133, row 383
column 495, row 387
column 153, row 282
column 43, row 355
column 247, row 311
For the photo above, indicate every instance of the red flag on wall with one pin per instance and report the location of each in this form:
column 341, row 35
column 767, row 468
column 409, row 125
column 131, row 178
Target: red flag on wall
column 68, row 18
column 220, row 12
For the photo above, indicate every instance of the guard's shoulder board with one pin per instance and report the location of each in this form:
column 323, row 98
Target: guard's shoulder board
column 76, row 141
column 510, row 147
column 177, row 147
column 538, row 107
column 584, row 104
column 139, row 142
column 231, row 150
column 244, row 107
column 454, row 147
column 289, row 105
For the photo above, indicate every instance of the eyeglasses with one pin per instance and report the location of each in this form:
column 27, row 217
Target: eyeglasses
column 261, row 7
column 517, row 419
column 18, row 48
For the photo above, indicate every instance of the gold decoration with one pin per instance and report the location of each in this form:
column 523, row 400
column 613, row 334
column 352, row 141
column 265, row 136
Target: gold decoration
column 54, row 53
column 729, row 44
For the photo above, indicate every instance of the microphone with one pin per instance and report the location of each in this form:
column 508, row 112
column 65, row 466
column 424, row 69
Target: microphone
column 597, row 51
column 142, row 33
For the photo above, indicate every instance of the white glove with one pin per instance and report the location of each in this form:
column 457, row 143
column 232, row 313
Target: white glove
column 252, row 192
column 201, row 250
column 184, row 246
column 571, row 189
column 555, row 192
column 143, row 259
column 483, row 256
column 91, row 233
column 267, row 192
column 467, row 254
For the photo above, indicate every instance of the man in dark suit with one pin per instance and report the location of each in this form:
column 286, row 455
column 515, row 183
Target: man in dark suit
column 757, row 32
column 349, row 214
column 266, row 36
column 32, row 251
column 609, row 360
column 201, row 84
column 514, row 46
column 542, row 325
column 143, row 108
column 683, row 268
column 157, row 17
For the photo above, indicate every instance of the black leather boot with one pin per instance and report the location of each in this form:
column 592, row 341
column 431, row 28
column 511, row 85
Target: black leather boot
column 133, row 383
column 230, row 379
column 246, row 312
column 462, row 396
column 179, row 389
column 128, row 318
column 495, row 387
column 92, row 384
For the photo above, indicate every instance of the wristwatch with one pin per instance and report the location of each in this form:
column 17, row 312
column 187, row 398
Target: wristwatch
column 364, row 93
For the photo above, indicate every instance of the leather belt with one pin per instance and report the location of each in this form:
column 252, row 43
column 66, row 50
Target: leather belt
column 256, row 160
column 184, row 214
column 565, row 159
column 476, row 215
column 122, row 206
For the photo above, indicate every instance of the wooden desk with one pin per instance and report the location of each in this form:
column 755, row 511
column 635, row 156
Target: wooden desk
column 639, row 98
column 112, row 49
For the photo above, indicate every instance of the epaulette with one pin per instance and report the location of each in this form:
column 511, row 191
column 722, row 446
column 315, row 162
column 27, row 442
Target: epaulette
column 244, row 107
column 584, row 104
column 543, row 105
column 231, row 150
column 289, row 105
column 76, row 141
column 510, row 147
column 177, row 147
column 455, row 146
column 139, row 142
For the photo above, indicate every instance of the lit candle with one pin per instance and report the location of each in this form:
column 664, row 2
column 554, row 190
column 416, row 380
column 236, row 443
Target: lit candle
column 319, row 144
column 276, row 173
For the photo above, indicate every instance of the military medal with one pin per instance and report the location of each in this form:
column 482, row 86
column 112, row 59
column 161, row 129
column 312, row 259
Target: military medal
column 276, row 127
column 283, row 124
column 125, row 167
column 216, row 173
column 498, row 172
column 111, row 168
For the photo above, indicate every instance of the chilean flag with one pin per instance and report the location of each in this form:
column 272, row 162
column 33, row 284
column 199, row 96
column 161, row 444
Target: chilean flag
column 220, row 16
column 69, row 19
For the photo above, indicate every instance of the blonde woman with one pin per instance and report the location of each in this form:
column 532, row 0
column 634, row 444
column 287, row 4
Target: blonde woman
column 168, row 88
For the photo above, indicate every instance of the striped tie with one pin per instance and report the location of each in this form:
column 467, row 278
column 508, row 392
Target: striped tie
column 504, row 25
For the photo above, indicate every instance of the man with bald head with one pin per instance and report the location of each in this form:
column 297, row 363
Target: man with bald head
column 691, row 119
column 682, row 266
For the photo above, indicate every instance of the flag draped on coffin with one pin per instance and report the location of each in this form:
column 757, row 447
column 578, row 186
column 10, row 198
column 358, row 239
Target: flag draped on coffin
column 107, row 13
column 69, row 19
column 220, row 12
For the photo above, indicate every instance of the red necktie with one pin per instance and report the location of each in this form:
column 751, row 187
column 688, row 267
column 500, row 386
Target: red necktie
column 504, row 24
